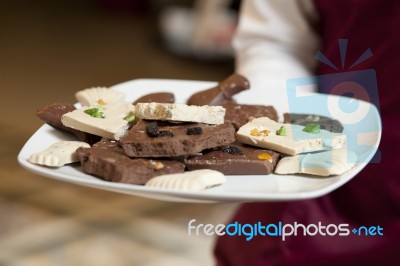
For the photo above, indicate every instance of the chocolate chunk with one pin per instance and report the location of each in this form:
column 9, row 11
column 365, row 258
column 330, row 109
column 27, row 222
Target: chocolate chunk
column 137, row 143
column 240, row 114
column 194, row 131
column 158, row 97
column 251, row 161
column 222, row 93
column 107, row 160
column 324, row 122
column 52, row 113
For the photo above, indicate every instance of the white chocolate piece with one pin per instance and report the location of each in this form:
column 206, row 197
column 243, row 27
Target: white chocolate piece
column 191, row 180
column 181, row 112
column 326, row 163
column 99, row 96
column 296, row 140
column 58, row 154
column 112, row 126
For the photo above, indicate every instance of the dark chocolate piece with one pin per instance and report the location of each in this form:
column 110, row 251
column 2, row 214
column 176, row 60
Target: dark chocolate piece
column 240, row 114
column 222, row 93
column 324, row 122
column 158, row 97
column 231, row 162
column 137, row 143
column 52, row 113
column 107, row 160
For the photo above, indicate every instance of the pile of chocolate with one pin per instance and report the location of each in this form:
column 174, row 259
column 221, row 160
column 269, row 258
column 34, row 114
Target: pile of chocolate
column 152, row 148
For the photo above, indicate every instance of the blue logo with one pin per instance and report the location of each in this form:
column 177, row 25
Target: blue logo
column 350, row 97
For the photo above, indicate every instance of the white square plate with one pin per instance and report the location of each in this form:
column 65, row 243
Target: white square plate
column 238, row 188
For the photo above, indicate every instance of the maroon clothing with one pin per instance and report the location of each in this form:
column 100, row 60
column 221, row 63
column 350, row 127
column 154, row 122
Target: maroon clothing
column 370, row 199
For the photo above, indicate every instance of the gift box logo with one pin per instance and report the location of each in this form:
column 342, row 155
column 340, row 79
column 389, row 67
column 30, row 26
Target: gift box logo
column 359, row 119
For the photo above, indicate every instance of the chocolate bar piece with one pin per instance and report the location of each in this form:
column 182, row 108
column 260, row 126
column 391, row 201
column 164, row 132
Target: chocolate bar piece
column 168, row 139
column 324, row 122
column 240, row 114
column 222, row 93
column 52, row 113
column 235, row 159
column 107, row 160
column 158, row 97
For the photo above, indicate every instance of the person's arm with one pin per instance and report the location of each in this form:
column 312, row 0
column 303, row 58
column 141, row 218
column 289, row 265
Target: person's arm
column 275, row 41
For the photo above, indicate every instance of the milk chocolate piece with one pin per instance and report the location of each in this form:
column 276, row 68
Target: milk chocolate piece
column 240, row 114
column 235, row 159
column 222, row 93
column 138, row 143
column 107, row 160
column 158, row 97
column 324, row 122
column 52, row 113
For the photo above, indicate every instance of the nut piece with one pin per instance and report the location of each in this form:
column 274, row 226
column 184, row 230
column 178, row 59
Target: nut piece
column 257, row 133
column 157, row 165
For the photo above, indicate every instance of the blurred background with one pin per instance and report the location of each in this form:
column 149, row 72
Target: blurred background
column 51, row 49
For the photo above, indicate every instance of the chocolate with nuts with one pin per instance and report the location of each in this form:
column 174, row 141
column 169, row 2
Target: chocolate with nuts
column 176, row 141
column 107, row 160
column 235, row 159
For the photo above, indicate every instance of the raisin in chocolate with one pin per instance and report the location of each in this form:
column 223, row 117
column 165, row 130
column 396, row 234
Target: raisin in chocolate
column 232, row 150
column 165, row 133
column 194, row 131
column 152, row 130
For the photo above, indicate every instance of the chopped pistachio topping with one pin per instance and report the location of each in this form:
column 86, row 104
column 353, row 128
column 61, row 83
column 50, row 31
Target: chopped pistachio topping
column 129, row 117
column 312, row 128
column 281, row 131
column 95, row 112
